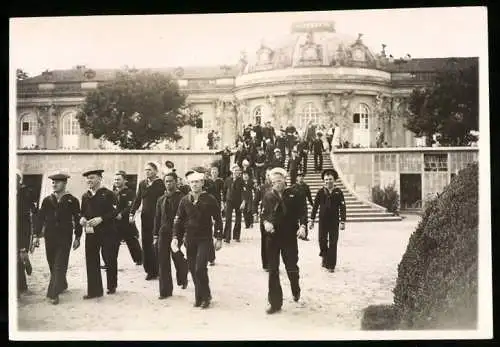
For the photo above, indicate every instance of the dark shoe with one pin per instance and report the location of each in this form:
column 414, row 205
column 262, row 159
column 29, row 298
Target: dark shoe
column 272, row 310
column 205, row 304
column 211, row 263
column 331, row 270
column 163, row 297
column 265, row 269
column 150, row 277
column 111, row 291
column 296, row 297
column 87, row 297
column 138, row 262
column 197, row 303
column 184, row 285
column 237, row 240
column 54, row 301
column 227, row 241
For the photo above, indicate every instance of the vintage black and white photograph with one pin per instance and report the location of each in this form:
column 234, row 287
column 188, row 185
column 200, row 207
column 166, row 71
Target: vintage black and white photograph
column 250, row 176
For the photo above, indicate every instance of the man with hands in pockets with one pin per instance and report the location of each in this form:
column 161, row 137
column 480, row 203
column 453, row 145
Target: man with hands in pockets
column 284, row 215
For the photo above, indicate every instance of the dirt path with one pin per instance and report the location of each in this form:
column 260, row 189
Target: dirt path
column 366, row 273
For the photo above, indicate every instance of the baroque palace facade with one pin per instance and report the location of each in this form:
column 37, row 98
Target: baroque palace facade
column 313, row 73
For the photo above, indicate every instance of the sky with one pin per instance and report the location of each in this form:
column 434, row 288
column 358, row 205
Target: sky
column 38, row 44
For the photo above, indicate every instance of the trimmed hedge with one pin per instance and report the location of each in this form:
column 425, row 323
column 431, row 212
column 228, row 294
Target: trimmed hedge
column 437, row 279
column 387, row 197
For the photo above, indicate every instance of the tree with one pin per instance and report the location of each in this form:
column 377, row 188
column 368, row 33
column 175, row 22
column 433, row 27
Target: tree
column 450, row 106
column 136, row 110
column 21, row 75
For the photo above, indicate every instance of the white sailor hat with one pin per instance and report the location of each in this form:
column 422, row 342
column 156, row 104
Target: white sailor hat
column 277, row 171
column 277, row 150
column 234, row 167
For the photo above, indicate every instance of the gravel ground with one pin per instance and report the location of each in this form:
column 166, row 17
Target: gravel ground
column 366, row 273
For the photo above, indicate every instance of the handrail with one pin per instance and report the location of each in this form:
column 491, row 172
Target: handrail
column 349, row 187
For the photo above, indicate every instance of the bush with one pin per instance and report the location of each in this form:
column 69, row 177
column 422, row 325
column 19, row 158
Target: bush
column 437, row 277
column 436, row 286
column 388, row 198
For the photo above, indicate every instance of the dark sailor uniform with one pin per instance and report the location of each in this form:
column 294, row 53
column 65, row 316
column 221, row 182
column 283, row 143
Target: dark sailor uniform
column 148, row 195
column 285, row 213
column 128, row 231
column 26, row 208
column 59, row 218
column 166, row 209
column 194, row 222
column 332, row 210
column 102, row 238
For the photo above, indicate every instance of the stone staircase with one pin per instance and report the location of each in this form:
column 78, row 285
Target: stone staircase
column 357, row 210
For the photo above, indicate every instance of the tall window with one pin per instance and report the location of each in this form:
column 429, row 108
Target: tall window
column 70, row 131
column 361, row 117
column 29, row 129
column 309, row 113
column 258, row 112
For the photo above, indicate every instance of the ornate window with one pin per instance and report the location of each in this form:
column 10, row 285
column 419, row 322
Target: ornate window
column 309, row 113
column 29, row 129
column 361, row 117
column 257, row 114
column 70, row 131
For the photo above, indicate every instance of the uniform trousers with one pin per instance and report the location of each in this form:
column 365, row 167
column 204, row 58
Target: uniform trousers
column 198, row 252
column 57, row 253
column 108, row 245
column 328, row 236
column 288, row 249
column 318, row 161
column 263, row 245
column 304, row 163
column 150, row 256
column 229, row 222
column 22, row 284
column 129, row 233
column 165, row 266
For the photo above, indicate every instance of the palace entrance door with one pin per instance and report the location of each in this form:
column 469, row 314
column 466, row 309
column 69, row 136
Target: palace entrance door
column 361, row 127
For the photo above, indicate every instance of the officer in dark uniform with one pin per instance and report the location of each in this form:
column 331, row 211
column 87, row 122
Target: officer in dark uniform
column 150, row 190
column 26, row 209
column 284, row 218
column 318, row 150
column 166, row 209
column 302, row 149
column 98, row 220
column 198, row 212
column 332, row 215
column 127, row 231
column 59, row 214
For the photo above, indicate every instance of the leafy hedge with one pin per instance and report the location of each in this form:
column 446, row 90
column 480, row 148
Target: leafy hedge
column 436, row 286
column 387, row 197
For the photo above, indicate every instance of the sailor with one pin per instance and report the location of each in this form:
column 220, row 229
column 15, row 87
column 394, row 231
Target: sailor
column 284, row 219
column 197, row 221
column 332, row 216
column 150, row 190
column 59, row 214
column 98, row 220
column 166, row 209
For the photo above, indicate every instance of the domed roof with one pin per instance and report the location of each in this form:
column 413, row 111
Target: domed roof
column 309, row 44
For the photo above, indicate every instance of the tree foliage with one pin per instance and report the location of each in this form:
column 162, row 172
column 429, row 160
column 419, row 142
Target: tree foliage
column 136, row 110
column 450, row 106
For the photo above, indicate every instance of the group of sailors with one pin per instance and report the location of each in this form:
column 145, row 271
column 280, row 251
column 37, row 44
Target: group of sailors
column 172, row 215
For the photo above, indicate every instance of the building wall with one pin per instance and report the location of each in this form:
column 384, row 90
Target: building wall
column 364, row 169
column 76, row 162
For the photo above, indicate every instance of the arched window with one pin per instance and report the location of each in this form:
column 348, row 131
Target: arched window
column 361, row 125
column 70, row 131
column 29, row 129
column 257, row 115
column 309, row 113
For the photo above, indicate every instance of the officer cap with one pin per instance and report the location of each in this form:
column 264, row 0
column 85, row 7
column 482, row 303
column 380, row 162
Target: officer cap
column 277, row 171
column 330, row 172
column 59, row 176
column 199, row 169
column 169, row 164
column 93, row 172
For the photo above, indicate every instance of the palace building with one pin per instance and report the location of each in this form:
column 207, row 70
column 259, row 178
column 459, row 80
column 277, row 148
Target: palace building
column 312, row 74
